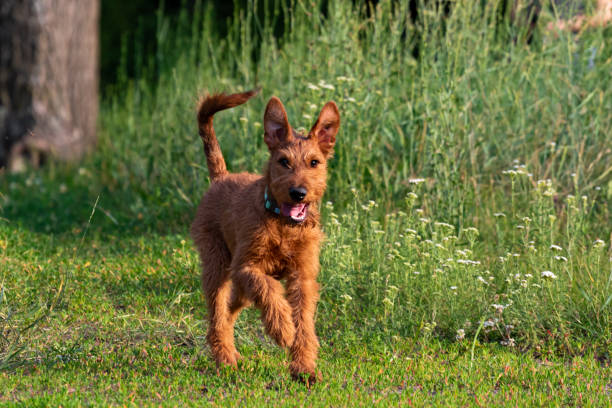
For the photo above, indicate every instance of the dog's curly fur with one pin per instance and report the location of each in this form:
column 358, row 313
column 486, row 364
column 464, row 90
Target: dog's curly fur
column 246, row 250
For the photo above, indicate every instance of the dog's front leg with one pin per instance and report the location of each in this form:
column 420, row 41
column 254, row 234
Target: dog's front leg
column 303, row 293
column 268, row 295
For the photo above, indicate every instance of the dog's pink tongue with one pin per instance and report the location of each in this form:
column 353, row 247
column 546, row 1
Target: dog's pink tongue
column 292, row 210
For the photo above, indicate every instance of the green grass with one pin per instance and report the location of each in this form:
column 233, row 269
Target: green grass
column 129, row 330
column 467, row 258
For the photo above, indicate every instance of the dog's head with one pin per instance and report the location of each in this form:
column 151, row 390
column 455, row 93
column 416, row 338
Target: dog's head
column 297, row 170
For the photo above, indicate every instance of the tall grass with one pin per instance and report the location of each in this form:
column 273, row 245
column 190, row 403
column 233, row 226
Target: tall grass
column 473, row 103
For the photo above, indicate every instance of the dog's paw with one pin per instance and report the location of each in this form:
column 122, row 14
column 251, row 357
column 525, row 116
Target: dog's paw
column 281, row 329
column 283, row 335
column 224, row 359
column 307, row 376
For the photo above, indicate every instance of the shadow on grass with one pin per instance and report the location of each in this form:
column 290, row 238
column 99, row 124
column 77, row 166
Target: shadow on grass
column 43, row 204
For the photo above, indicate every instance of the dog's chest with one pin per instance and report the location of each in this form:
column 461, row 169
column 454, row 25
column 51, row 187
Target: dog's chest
column 282, row 252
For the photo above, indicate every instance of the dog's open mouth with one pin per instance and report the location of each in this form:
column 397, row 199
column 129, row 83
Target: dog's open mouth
column 297, row 212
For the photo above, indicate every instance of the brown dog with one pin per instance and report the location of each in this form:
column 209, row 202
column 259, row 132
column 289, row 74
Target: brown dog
column 252, row 231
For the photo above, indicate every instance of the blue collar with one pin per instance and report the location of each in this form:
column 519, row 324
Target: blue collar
column 270, row 203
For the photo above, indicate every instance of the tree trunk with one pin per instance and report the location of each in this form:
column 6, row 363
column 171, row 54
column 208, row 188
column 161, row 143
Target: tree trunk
column 48, row 79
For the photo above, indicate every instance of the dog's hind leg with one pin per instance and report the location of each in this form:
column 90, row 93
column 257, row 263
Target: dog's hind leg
column 237, row 302
column 217, row 289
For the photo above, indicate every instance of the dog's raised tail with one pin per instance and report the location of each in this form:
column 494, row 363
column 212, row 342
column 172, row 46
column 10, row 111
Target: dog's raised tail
column 208, row 106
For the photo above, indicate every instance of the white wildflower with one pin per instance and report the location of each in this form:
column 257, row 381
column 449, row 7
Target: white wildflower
column 312, row 86
column 560, row 258
column 460, row 335
column 443, row 224
column 416, row 180
column 489, row 323
column 498, row 308
column 325, row 85
column 464, row 252
column 499, row 215
column 549, row 274
column 556, row 247
column 467, row 262
column 481, row 279
column 344, row 79
column 599, row 243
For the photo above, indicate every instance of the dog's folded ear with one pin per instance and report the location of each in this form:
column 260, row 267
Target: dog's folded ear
column 276, row 124
column 326, row 127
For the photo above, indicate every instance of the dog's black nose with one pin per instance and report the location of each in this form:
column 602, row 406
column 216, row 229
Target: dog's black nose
column 297, row 193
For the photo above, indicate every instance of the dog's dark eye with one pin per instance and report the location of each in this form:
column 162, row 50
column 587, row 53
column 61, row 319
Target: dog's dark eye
column 314, row 163
column 284, row 162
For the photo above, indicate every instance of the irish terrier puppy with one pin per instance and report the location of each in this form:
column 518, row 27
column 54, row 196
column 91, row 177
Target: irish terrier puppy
column 252, row 231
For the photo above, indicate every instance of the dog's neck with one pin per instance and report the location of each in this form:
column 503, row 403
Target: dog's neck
column 270, row 203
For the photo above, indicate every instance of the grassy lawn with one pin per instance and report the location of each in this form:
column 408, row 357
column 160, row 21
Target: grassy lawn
column 468, row 219
column 128, row 330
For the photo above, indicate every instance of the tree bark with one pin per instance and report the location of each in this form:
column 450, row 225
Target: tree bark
column 48, row 79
